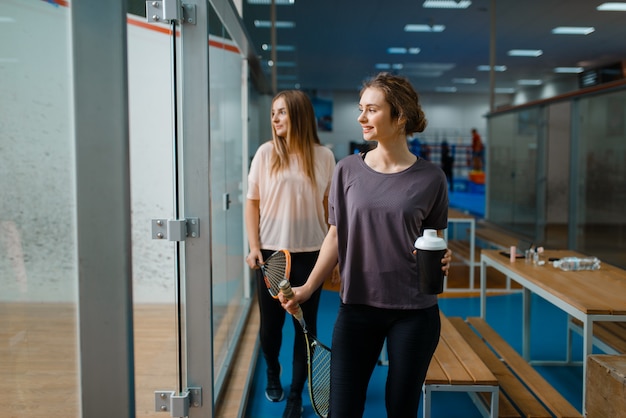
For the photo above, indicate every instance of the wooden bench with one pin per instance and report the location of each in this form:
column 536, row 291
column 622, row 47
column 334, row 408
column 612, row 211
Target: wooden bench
column 455, row 367
column 523, row 391
column 610, row 337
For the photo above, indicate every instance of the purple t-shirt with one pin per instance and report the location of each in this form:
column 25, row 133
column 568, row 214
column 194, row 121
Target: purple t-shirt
column 378, row 218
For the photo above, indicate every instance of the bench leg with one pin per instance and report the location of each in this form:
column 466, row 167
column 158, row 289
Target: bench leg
column 427, row 393
column 494, row 403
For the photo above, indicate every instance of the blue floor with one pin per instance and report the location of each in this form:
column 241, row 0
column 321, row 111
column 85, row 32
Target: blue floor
column 473, row 203
column 548, row 342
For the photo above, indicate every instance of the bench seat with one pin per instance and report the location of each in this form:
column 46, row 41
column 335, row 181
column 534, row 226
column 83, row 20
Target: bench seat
column 455, row 367
column 529, row 394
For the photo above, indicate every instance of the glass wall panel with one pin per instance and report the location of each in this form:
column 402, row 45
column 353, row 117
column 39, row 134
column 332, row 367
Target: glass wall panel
column 600, row 178
column 514, row 141
column 38, row 275
column 226, row 130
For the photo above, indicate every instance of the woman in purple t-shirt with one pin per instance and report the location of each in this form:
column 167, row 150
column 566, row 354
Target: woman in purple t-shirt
column 379, row 203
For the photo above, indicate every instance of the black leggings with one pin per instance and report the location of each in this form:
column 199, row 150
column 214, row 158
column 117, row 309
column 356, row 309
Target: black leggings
column 273, row 318
column 358, row 337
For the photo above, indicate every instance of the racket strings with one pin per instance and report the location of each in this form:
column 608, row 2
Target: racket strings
column 320, row 378
column 274, row 271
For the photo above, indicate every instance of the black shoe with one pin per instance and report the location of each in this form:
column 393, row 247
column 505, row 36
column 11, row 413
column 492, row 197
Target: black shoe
column 274, row 390
column 294, row 408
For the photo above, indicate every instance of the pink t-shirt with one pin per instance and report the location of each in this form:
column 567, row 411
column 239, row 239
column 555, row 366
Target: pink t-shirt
column 291, row 210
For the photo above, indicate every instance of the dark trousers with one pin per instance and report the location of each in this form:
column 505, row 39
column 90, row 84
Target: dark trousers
column 358, row 337
column 273, row 318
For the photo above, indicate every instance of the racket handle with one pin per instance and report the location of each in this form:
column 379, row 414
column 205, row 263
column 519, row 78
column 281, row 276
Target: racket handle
column 285, row 288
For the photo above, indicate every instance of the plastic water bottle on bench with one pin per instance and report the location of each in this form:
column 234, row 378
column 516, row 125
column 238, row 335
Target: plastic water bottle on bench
column 577, row 263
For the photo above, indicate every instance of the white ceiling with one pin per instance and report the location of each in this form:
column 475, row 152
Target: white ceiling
column 339, row 42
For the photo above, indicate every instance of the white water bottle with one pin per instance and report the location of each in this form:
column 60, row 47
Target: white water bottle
column 576, row 263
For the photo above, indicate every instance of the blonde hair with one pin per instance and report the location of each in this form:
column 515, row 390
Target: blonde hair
column 302, row 134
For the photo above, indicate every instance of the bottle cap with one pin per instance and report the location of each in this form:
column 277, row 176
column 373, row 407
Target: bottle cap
column 430, row 241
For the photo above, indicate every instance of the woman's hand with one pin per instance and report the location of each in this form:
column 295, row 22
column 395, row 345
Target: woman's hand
column 254, row 258
column 446, row 261
column 292, row 305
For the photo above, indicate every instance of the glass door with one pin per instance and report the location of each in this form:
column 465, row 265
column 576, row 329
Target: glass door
column 38, row 274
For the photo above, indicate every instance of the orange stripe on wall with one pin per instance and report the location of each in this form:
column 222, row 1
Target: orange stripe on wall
column 157, row 28
column 222, row 45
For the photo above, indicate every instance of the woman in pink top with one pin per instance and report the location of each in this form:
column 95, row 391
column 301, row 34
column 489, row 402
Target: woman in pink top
column 287, row 208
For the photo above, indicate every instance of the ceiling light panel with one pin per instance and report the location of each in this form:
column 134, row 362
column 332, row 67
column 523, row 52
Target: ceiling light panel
column 396, row 50
column 529, row 82
column 446, row 4
column 568, row 70
column 612, row 7
column 573, row 30
column 445, row 89
column 430, row 66
column 525, row 53
column 464, row 80
column 496, row 68
column 279, row 48
column 280, row 24
column 413, row 27
column 278, row 2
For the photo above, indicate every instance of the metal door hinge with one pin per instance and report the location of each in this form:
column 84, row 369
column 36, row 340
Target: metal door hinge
column 170, row 10
column 175, row 229
column 177, row 404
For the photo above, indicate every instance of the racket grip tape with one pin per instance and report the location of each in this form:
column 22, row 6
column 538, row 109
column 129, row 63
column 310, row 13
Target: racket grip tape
column 285, row 289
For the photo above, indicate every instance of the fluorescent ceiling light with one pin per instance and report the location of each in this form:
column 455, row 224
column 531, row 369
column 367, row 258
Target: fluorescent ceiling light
column 428, row 74
column 464, row 80
column 529, row 82
column 612, row 7
column 429, row 66
column 396, row 50
column 525, row 52
column 402, row 50
column 278, row 2
column 568, row 70
column 9, row 60
column 497, row 68
column 413, row 27
column 285, row 64
column 445, row 89
column 446, row 4
column 505, row 90
column 6, row 19
column 573, row 30
column 280, row 24
column 387, row 66
column 281, row 48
